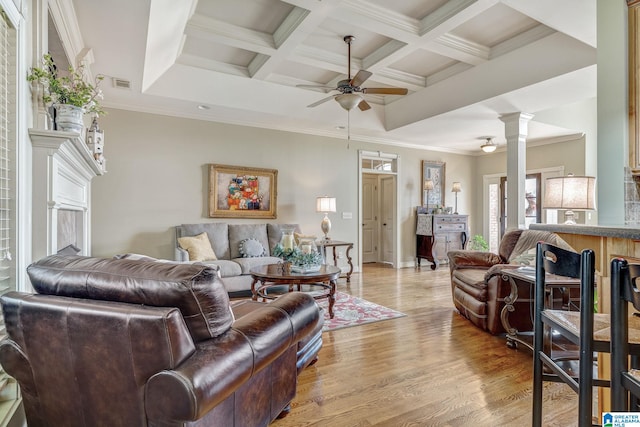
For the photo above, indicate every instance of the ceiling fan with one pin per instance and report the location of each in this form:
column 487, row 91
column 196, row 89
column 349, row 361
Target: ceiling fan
column 351, row 93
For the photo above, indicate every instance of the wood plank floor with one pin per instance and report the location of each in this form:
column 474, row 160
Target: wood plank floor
column 430, row 368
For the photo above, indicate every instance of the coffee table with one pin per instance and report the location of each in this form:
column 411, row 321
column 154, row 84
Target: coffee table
column 272, row 276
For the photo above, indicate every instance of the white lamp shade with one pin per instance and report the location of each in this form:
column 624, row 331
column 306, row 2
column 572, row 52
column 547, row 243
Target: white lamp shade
column 570, row 192
column 428, row 184
column 326, row 204
column 457, row 187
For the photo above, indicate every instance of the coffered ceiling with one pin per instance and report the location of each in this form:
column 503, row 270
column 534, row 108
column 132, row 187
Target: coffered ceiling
column 464, row 62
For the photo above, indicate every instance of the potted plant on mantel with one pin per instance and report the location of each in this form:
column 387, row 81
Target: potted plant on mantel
column 70, row 94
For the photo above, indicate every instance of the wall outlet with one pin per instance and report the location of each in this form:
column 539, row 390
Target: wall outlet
column 347, row 215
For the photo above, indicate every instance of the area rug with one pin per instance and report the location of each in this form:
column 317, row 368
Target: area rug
column 353, row 311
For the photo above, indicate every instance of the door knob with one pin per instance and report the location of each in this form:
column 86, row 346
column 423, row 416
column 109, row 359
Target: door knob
column 385, row 224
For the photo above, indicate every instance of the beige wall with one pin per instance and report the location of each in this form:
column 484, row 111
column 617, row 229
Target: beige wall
column 157, row 178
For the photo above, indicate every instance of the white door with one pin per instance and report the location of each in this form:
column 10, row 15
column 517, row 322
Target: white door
column 387, row 210
column 370, row 218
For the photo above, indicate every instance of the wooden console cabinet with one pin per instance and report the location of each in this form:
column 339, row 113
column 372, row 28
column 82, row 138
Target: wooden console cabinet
column 438, row 234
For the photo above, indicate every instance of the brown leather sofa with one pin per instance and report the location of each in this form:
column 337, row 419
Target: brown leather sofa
column 120, row 342
column 478, row 288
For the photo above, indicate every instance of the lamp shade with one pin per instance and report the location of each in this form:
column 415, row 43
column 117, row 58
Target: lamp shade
column 428, row 184
column 325, row 204
column 570, row 192
column 457, row 187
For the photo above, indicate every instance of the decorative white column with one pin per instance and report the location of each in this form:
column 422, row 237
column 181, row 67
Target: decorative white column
column 516, row 130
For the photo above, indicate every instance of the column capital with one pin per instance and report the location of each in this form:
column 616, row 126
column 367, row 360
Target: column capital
column 516, row 125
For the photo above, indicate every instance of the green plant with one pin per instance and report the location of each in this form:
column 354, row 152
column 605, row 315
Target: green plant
column 477, row 243
column 296, row 257
column 71, row 89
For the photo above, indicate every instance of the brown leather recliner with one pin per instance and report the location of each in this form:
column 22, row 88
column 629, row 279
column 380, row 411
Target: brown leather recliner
column 140, row 343
column 478, row 288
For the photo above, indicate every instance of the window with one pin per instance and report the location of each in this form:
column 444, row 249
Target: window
column 533, row 210
column 9, row 394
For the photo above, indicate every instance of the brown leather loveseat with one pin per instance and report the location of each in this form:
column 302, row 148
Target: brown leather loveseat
column 478, row 288
column 118, row 342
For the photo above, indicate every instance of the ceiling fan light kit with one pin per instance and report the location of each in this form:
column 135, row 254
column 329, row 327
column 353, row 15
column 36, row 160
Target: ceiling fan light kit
column 489, row 146
column 349, row 101
column 351, row 93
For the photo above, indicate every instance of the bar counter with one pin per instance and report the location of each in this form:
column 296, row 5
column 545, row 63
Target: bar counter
column 607, row 242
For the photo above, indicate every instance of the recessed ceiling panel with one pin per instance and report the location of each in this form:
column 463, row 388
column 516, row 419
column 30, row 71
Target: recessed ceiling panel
column 417, row 9
column 330, row 36
column 305, row 72
column 423, row 63
column 217, row 52
column 495, row 25
column 259, row 15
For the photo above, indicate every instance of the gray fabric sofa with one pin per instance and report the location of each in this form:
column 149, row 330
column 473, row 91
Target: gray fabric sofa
column 225, row 241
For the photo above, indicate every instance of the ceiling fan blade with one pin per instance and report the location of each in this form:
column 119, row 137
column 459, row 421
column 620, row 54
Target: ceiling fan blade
column 322, row 101
column 386, row 90
column 364, row 106
column 360, row 78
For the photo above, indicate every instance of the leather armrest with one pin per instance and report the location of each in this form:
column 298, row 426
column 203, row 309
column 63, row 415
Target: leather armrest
column 499, row 268
column 472, row 259
column 222, row 364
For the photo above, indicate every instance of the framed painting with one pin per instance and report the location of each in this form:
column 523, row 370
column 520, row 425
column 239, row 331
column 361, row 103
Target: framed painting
column 435, row 172
column 242, row 192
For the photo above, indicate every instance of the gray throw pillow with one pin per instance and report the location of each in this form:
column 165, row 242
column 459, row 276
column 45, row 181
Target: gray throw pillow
column 250, row 248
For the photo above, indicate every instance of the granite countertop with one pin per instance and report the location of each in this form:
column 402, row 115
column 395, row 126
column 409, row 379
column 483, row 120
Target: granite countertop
column 623, row 232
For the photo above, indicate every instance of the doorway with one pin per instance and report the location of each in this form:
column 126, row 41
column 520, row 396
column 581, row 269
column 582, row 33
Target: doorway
column 378, row 208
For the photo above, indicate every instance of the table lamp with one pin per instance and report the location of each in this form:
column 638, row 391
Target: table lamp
column 428, row 186
column 326, row 204
column 570, row 193
column 457, row 187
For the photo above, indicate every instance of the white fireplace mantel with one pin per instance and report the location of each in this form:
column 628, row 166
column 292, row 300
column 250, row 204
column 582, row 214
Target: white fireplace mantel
column 63, row 168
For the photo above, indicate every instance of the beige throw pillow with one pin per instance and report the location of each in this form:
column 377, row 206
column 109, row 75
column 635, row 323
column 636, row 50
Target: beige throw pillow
column 300, row 236
column 199, row 247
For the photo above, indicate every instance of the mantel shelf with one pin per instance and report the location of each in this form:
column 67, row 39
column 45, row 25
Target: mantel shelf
column 55, row 139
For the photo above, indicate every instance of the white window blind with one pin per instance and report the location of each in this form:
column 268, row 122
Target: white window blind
column 9, row 394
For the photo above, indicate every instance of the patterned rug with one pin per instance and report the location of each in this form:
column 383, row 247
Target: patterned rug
column 353, row 311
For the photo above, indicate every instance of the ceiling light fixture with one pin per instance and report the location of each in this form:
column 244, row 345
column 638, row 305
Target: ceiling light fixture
column 489, row 146
column 349, row 101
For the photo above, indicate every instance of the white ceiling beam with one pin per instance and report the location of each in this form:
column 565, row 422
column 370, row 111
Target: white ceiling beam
column 509, row 72
column 216, row 31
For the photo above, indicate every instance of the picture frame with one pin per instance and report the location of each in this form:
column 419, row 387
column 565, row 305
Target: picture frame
column 436, row 172
column 242, row 192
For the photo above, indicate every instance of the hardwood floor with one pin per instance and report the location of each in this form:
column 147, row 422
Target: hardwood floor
column 430, row 368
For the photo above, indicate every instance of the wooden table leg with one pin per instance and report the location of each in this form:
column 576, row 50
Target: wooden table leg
column 332, row 296
column 254, row 294
column 349, row 262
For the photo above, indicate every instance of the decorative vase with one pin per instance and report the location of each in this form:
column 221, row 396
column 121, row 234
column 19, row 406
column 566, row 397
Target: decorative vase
column 287, row 240
column 69, row 118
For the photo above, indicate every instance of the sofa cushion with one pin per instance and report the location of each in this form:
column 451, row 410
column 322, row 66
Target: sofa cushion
column 246, row 264
column 275, row 233
column 239, row 232
column 196, row 290
column 251, row 248
column 218, row 233
column 198, row 247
